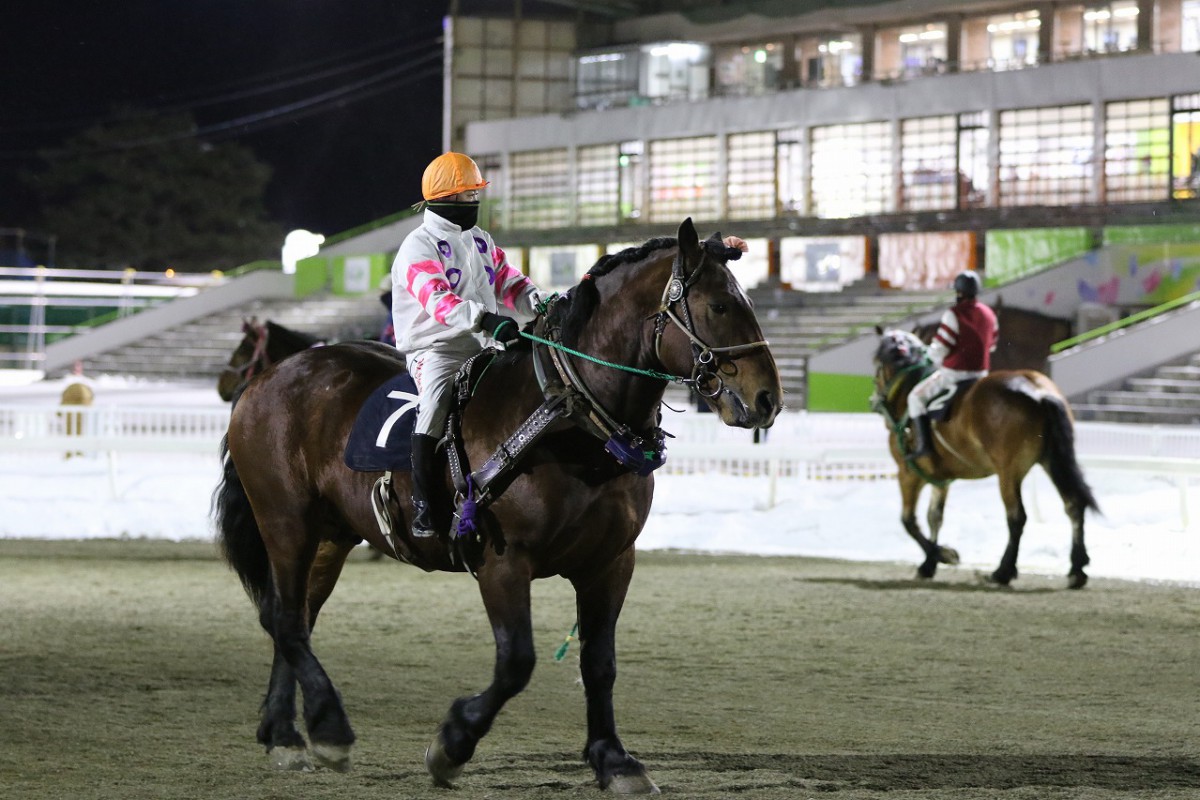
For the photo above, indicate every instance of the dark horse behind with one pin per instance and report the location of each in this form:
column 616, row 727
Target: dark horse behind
column 262, row 344
column 1002, row 425
column 290, row 512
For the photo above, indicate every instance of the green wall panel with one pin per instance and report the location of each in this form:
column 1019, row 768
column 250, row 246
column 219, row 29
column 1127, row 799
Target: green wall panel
column 1012, row 254
column 312, row 275
column 828, row 391
column 1182, row 233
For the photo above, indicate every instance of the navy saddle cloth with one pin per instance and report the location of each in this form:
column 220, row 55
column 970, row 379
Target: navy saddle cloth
column 381, row 438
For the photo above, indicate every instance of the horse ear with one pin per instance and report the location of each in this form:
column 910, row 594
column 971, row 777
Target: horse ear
column 689, row 240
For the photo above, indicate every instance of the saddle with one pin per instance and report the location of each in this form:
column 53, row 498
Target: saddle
column 381, row 434
column 942, row 405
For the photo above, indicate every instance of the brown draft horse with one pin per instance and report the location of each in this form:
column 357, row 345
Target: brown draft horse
column 289, row 511
column 262, row 345
column 1001, row 425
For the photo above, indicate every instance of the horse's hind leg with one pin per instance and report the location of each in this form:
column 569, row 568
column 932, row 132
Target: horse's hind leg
column 290, row 626
column 1077, row 578
column 277, row 731
column 1014, row 510
column 504, row 585
column 599, row 602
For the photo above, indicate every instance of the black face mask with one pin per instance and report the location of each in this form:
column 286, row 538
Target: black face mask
column 464, row 215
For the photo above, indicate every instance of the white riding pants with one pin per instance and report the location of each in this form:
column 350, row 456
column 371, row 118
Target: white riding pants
column 940, row 381
column 434, row 371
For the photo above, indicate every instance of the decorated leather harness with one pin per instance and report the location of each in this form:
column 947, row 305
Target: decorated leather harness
column 568, row 397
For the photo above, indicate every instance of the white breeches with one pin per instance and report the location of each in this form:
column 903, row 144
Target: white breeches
column 940, row 381
column 434, row 371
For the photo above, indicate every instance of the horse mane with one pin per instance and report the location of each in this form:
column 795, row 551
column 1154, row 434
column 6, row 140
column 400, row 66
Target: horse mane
column 583, row 299
column 294, row 340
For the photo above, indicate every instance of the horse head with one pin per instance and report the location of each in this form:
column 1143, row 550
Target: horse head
column 706, row 329
column 898, row 354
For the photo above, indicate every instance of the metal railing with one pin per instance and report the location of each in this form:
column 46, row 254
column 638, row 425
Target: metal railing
column 816, row 446
column 101, row 294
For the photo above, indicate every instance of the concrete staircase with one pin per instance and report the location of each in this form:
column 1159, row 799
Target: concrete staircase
column 1170, row 396
column 199, row 350
column 799, row 324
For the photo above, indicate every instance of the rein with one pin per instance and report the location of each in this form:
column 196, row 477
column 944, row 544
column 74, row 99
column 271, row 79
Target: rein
column 703, row 355
column 568, row 397
column 881, row 403
column 259, row 354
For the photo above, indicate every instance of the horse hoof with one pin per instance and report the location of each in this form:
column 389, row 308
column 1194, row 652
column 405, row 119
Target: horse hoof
column 948, row 555
column 290, row 759
column 332, row 756
column 632, row 784
column 1077, row 580
column 440, row 767
column 999, row 580
column 926, row 573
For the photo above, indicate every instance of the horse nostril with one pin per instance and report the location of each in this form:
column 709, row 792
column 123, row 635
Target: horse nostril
column 764, row 402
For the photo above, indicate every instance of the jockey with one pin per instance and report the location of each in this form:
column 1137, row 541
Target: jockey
column 449, row 280
column 961, row 350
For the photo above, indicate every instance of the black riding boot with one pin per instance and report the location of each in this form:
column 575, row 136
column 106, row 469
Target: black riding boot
column 922, row 438
column 423, row 477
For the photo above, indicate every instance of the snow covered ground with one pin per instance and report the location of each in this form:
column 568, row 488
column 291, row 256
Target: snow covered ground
column 1141, row 534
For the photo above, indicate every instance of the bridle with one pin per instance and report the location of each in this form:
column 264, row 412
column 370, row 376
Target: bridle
column 888, row 387
column 704, row 356
column 259, row 358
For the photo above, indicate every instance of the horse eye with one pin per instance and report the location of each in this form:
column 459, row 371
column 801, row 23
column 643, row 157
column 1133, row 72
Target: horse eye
column 718, row 308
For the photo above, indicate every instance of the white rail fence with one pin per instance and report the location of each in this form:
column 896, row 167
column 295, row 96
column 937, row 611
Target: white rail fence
column 805, row 446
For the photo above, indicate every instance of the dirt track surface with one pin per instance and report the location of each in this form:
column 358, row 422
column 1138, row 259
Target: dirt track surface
column 134, row 670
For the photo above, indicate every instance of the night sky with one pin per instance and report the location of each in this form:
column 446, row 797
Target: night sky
column 342, row 156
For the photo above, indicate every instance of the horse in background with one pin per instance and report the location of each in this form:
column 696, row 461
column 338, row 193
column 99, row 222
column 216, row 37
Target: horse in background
column 262, row 345
column 1026, row 336
column 1002, row 424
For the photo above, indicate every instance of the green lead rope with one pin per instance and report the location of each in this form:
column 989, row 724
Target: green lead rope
column 561, row 652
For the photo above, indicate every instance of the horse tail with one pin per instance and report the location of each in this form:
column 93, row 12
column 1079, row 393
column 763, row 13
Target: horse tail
column 237, row 531
column 1058, row 455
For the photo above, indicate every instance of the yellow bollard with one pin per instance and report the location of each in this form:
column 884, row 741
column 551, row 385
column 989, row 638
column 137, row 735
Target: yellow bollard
column 78, row 393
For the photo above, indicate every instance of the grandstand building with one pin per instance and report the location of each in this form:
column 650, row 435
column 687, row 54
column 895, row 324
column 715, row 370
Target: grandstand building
column 898, row 140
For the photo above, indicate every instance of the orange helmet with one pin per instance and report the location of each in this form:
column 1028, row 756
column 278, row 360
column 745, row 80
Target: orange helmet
column 450, row 173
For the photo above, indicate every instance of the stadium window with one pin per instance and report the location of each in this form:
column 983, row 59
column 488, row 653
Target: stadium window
column 1046, row 156
column 851, row 170
column 1185, row 147
column 539, row 185
column 596, row 172
column 928, row 167
column 974, row 171
column 1137, row 151
column 792, row 195
column 683, row 179
column 751, row 176
column 491, row 202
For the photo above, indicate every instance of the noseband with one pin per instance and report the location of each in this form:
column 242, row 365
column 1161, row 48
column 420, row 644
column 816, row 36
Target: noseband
column 704, row 356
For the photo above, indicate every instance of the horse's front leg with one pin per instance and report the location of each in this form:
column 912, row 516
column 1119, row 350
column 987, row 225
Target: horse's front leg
column 935, row 516
column 599, row 600
column 910, row 491
column 504, row 585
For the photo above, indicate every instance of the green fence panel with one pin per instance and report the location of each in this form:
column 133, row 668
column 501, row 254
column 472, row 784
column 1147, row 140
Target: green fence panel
column 1013, row 254
column 828, row 391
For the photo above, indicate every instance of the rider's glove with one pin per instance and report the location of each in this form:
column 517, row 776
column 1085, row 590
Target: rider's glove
column 501, row 328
